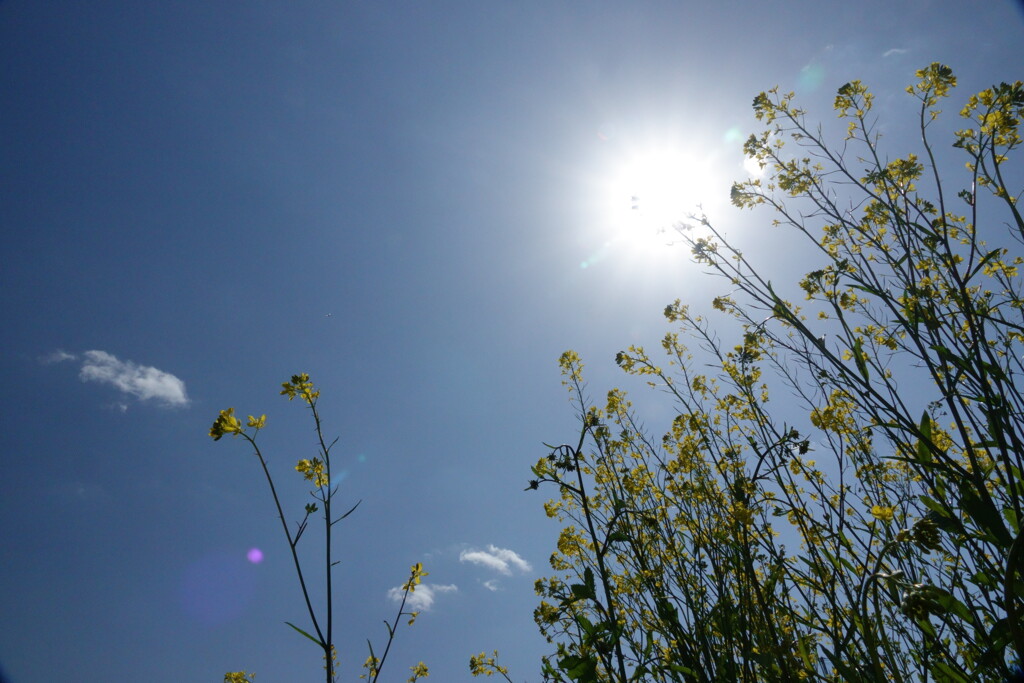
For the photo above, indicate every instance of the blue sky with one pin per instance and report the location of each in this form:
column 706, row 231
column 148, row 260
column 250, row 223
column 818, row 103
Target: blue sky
column 419, row 204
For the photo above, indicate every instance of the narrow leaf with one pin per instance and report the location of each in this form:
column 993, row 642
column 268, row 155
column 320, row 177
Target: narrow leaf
column 318, row 643
column 858, row 358
column 924, row 451
column 984, row 514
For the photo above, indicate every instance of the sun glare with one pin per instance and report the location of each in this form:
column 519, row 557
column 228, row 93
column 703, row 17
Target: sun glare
column 653, row 191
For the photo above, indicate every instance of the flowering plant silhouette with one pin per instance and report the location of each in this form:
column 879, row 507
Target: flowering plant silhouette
column 316, row 470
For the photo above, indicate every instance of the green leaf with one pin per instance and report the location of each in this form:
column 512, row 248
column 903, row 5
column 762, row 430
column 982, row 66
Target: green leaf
column 844, row 669
column 925, row 625
column 679, row 669
column 579, row 591
column 583, row 670
column 949, row 603
column 318, row 643
column 1011, row 519
column 924, row 451
column 984, row 514
column 617, row 537
column 985, row 259
column 350, row 511
column 804, row 651
column 938, row 514
column 947, row 357
column 869, row 290
column 667, row 611
column 858, row 358
column 639, row 673
column 998, row 638
column 944, row 672
column 585, row 590
column 769, row 584
column 585, row 624
column 983, row 579
column 995, row 370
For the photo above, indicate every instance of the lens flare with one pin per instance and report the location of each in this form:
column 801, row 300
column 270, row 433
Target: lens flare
column 811, row 77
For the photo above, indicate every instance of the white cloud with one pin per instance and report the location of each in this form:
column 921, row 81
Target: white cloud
column 491, row 585
column 894, row 51
column 498, row 559
column 57, row 356
column 141, row 381
column 421, row 599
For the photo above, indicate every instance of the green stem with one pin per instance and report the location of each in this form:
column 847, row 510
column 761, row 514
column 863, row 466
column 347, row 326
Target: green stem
column 328, row 524
column 392, row 628
column 610, row 608
column 291, row 543
column 1014, row 560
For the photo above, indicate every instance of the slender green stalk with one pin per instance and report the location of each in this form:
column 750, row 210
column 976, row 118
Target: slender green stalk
column 291, row 543
column 318, row 471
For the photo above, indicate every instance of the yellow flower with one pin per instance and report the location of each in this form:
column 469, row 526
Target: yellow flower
column 257, row 422
column 418, row 671
column 371, row 665
column 239, row 677
column 415, row 573
column 882, row 512
column 313, row 470
column 483, row 665
column 302, row 387
column 226, row 423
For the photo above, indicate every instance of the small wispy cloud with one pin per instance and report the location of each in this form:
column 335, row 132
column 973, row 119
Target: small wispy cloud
column 57, row 356
column 421, row 599
column 500, row 560
column 491, row 584
column 894, row 51
column 142, row 381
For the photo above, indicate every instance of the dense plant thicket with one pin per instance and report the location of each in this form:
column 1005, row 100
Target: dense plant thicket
column 839, row 496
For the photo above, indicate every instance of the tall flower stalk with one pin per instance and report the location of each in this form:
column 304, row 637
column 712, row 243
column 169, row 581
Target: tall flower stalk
column 316, row 470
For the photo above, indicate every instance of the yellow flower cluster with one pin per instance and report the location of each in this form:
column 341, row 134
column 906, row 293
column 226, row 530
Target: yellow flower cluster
column 372, row 666
column 415, row 574
column 486, row 665
column 418, row 671
column 301, row 386
column 882, row 512
column 226, row 423
column 239, row 677
column 313, row 470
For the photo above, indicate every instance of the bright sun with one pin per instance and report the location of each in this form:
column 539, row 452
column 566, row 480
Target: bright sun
column 650, row 191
